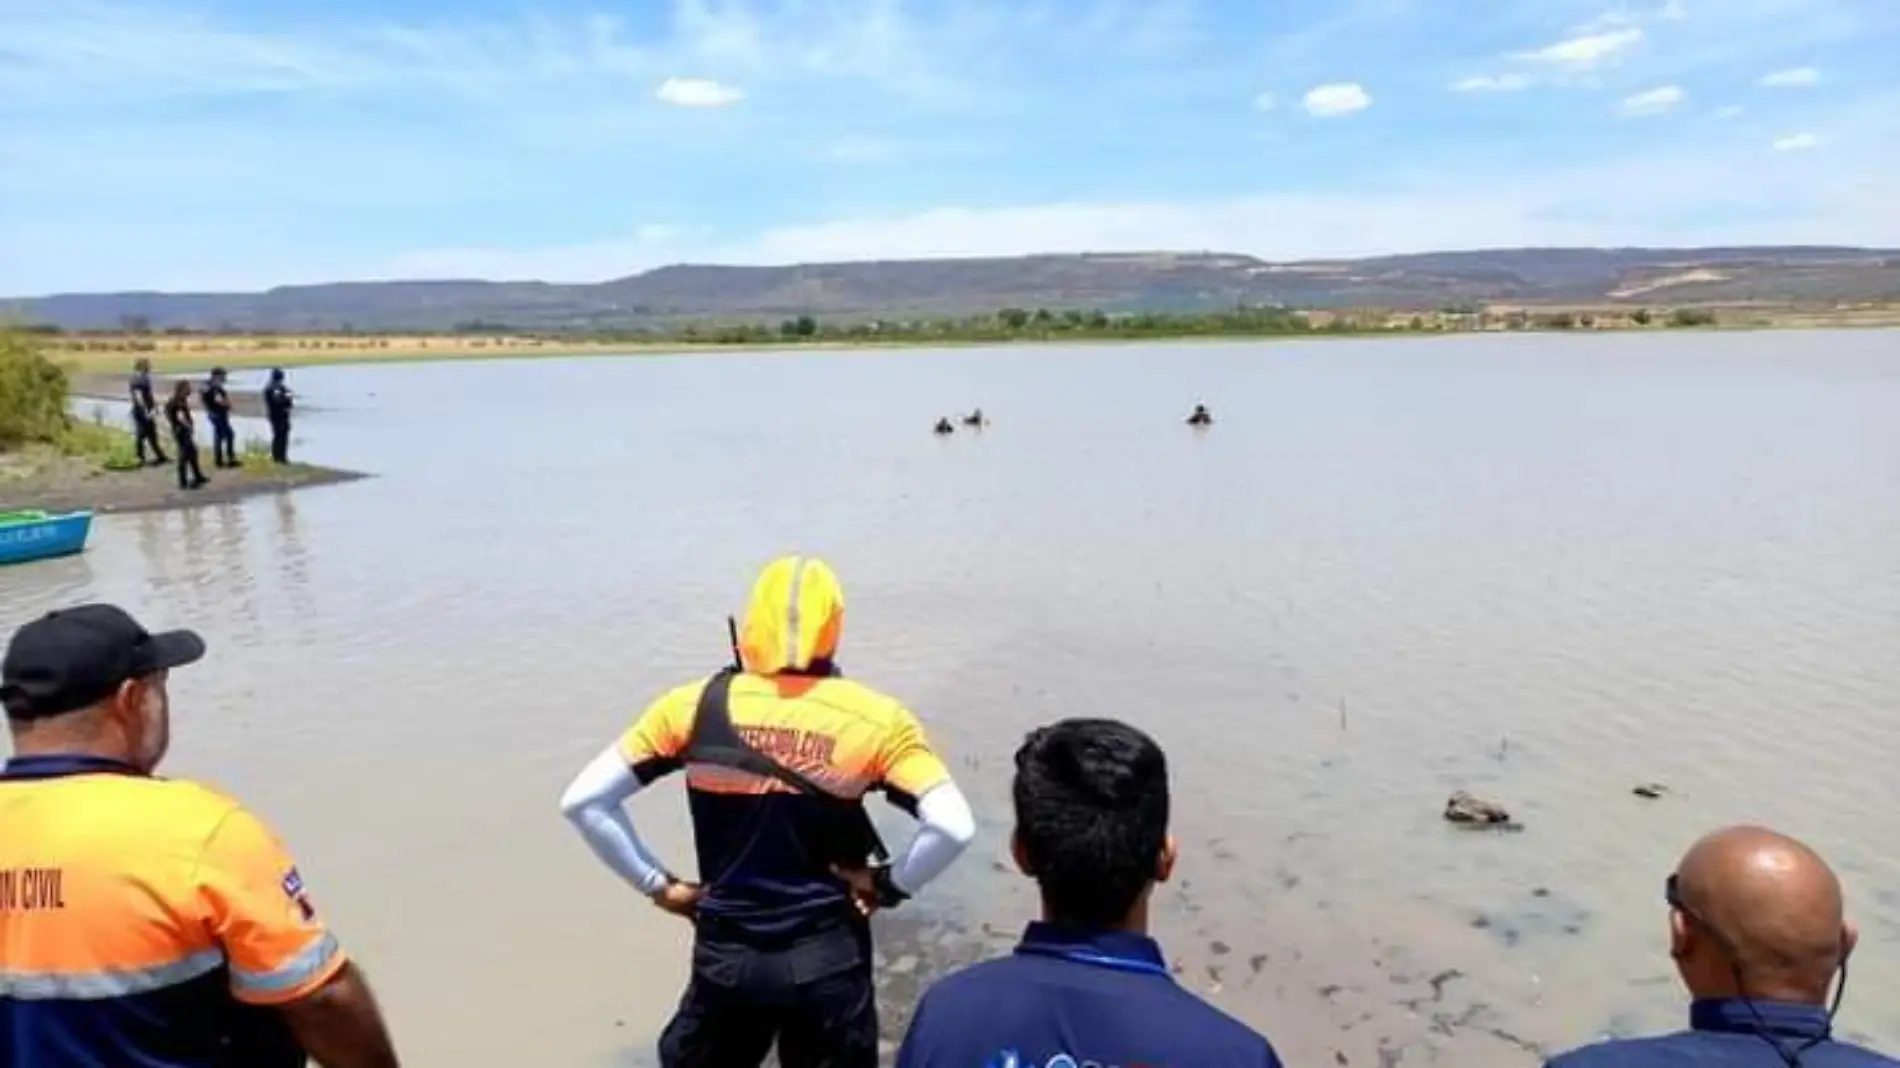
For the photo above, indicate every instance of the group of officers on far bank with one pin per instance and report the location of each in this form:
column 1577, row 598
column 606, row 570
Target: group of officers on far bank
column 215, row 397
column 154, row 922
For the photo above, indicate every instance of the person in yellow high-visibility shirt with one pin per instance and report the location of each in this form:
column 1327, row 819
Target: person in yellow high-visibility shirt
column 148, row 921
column 779, row 751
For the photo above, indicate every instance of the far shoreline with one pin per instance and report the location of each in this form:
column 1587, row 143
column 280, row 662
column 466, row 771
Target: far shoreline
column 96, row 361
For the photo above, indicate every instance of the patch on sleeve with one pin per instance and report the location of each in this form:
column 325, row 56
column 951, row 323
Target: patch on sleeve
column 294, row 889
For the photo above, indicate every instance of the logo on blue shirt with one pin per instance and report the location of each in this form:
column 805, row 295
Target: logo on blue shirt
column 1010, row 1058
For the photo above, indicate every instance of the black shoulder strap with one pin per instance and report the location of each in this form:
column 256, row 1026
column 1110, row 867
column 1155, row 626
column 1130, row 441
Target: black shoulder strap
column 714, row 740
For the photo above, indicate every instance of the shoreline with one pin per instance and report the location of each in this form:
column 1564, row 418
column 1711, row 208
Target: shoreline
column 46, row 479
column 98, row 363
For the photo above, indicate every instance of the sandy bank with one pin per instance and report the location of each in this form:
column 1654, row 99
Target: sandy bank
column 42, row 478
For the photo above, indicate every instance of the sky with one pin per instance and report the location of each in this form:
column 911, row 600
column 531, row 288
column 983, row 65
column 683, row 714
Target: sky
column 244, row 144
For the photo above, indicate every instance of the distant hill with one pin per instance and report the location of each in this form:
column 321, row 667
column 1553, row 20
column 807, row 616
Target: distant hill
column 914, row 288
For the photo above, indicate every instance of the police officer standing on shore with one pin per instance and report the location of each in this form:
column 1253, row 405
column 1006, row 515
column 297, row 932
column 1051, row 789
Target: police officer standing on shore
column 145, row 414
column 178, row 414
column 217, row 402
column 277, row 404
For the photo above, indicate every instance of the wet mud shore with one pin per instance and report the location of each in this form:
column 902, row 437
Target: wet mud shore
column 65, row 484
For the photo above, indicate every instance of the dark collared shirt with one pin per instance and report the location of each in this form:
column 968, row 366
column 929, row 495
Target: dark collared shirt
column 1068, row 998
column 1727, row 1032
column 217, row 401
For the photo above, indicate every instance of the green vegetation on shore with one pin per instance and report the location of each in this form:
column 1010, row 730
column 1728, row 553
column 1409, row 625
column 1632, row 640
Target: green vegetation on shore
column 179, row 349
column 51, row 460
column 33, row 395
column 1005, row 324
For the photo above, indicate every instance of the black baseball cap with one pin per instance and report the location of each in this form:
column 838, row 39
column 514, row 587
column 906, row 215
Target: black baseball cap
column 76, row 657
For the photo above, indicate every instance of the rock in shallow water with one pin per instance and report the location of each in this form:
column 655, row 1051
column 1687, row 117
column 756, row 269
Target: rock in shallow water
column 1464, row 808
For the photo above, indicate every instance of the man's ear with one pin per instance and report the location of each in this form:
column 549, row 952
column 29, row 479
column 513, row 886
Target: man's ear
column 1164, row 864
column 127, row 707
column 1850, row 937
column 1681, row 936
column 1020, row 854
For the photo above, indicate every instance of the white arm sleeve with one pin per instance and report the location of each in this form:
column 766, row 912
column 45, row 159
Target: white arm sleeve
column 946, row 826
column 595, row 804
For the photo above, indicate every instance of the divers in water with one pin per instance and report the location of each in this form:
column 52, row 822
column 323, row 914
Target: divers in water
column 944, row 426
column 1200, row 416
column 976, row 419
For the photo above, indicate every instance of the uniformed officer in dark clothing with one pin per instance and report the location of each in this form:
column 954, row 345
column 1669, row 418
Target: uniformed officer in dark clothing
column 277, row 405
column 1086, row 985
column 178, row 414
column 145, row 414
column 1757, row 933
column 217, row 402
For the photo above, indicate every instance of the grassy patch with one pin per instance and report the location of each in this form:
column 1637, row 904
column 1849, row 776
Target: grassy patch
column 103, row 446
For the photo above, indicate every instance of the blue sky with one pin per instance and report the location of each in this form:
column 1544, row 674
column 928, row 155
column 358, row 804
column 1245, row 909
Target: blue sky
column 186, row 144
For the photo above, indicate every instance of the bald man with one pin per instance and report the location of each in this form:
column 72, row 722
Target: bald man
column 1757, row 933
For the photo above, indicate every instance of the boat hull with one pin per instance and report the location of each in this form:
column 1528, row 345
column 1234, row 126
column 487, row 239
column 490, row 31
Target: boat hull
column 22, row 541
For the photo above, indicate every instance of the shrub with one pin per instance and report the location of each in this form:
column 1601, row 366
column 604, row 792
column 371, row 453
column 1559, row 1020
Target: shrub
column 33, row 392
column 1687, row 317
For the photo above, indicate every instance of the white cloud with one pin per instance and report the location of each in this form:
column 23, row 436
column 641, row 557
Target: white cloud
column 1652, row 101
column 698, row 93
column 1492, row 83
column 1336, row 99
column 1732, row 111
column 1797, row 143
column 1668, row 11
column 1791, row 78
column 1265, row 102
column 67, row 52
column 1584, row 51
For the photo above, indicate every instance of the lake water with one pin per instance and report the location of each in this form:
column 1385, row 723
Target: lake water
column 1543, row 568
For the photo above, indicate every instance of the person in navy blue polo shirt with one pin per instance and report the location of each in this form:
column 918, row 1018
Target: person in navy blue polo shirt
column 1086, row 986
column 1757, row 932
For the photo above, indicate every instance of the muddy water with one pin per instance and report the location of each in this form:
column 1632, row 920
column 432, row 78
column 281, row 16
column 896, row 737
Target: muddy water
column 1544, row 569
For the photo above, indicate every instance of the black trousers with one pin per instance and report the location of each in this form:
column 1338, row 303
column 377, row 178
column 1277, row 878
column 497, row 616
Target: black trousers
column 145, row 432
column 223, row 442
column 815, row 999
column 280, row 439
column 189, row 473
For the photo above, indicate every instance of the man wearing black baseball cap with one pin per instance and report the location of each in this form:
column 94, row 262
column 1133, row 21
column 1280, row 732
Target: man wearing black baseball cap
column 145, row 920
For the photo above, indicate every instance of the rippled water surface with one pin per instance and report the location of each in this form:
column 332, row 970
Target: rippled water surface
column 1541, row 568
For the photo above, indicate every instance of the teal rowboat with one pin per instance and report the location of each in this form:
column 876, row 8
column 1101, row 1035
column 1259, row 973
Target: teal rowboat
column 33, row 535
